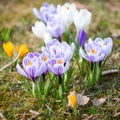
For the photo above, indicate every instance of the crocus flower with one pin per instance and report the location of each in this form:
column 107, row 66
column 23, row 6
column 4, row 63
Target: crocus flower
column 46, row 12
column 82, row 18
column 56, row 27
column 45, row 59
column 106, row 45
column 40, row 31
column 93, row 52
column 55, row 48
column 67, row 50
column 81, row 37
column 72, row 100
column 22, row 49
column 66, row 13
column 32, row 67
column 57, row 66
column 9, row 48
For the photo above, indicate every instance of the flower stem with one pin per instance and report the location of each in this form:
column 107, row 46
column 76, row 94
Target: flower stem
column 43, row 75
column 11, row 61
column 33, row 88
column 60, row 79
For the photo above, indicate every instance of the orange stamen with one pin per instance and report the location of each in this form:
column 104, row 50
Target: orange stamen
column 67, row 7
column 93, row 51
column 29, row 64
column 59, row 61
column 45, row 58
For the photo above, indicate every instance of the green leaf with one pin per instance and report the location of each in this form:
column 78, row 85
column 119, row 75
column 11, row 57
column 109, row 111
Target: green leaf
column 47, row 87
column 5, row 34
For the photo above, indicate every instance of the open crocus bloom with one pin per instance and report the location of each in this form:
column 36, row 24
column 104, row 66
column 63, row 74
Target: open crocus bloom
column 57, row 66
column 67, row 51
column 55, row 48
column 66, row 13
column 9, row 48
column 72, row 100
column 32, row 66
column 22, row 49
column 45, row 59
column 82, row 18
column 46, row 12
column 93, row 51
column 106, row 45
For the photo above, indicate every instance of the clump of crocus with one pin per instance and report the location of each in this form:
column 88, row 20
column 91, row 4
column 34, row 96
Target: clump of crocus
column 96, row 52
column 60, row 53
column 16, row 52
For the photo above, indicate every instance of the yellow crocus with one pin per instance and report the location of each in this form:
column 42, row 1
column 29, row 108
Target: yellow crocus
column 72, row 101
column 9, row 48
column 22, row 49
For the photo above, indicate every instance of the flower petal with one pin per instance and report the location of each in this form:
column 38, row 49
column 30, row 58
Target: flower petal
column 20, row 70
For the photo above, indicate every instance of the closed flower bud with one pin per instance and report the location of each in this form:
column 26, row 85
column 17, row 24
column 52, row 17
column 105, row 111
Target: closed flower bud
column 9, row 48
column 22, row 49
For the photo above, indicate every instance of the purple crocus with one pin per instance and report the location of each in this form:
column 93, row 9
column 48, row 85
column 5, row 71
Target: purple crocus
column 32, row 67
column 56, row 49
column 46, row 12
column 106, row 45
column 81, row 37
column 57, row 66
column 45, row 58
column 93, row 52
column 56, row 27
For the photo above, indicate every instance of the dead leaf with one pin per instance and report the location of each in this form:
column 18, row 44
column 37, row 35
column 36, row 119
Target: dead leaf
column 34, row 112
column 98, row 102
column 86, row 116
column 2, row 117
column 82, row 99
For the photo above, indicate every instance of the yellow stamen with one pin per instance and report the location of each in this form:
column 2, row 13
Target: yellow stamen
column 93, row 51
column 59, row 61
column 67, row 7
column 45, row 58
column 29, row 64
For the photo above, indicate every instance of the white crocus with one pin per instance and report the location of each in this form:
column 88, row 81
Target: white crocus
column 66, row 13
column 82, row 18
column 47, row 37
column 40, row 30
